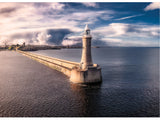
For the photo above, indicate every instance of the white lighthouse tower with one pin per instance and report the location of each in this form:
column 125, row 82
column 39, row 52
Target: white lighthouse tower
column 87, row 72
column 86, row 59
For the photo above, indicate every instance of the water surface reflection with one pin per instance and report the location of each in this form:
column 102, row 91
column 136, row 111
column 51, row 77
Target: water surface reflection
column 88, row 97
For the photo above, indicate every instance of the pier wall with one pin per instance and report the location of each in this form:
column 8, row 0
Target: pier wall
column 63, row 66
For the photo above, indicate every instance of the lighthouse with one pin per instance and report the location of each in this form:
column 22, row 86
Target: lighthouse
column 86, row 59
column 87, row 72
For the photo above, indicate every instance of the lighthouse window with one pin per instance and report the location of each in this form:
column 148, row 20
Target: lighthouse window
column 87, row 32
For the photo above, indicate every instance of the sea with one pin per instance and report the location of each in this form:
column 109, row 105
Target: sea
column 129, row 88
column 130, row 84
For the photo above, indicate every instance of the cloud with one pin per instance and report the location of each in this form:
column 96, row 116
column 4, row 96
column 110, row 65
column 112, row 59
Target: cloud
column 57, row 6
column 72, row 40
column 121, row 34
column 112, row 30
column 77, row 40
column 32, row 24
column 111, row 40
column 152, row 6
column 90, row 4
column 122, row 29
column 43, row 38
column 63, row 24
column 123, row 18
column 47, row 6
column 89, row 16
column 57, row 35
column 34, row 21
column 6, row 11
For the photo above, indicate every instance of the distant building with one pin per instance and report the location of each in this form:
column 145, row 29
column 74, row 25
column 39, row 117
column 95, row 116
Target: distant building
column 23, row 44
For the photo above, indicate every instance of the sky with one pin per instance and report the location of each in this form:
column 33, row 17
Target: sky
column 62, row 23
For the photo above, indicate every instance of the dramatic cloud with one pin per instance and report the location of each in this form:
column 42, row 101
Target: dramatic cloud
column 57, row 35
column 153, row 6
column 122, row 29
column 44, row 23
column 29, row 21
column 63, row 24
column 43, row 38
column 121, row 34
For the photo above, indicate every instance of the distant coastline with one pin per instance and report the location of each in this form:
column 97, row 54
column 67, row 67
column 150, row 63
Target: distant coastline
column 36, row 47
column 47, row 47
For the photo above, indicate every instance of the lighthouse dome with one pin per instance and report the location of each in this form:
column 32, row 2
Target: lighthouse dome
column 87, row 31
column 86, row 27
